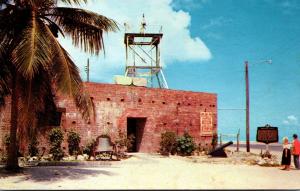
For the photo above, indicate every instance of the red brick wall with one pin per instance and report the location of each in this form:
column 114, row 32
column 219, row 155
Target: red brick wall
column 164, row 109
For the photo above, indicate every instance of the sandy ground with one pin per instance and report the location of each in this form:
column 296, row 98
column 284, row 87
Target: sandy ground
column 145, row 171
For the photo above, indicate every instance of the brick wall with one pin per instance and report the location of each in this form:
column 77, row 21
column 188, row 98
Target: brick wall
column 160, row 108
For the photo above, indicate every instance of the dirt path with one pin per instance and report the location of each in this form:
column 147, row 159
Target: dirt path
column 150, row 172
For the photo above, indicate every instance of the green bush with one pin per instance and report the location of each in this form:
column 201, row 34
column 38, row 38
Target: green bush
column 56, row 137
column 89, row 148
column 121, row 140
column 124, row 141
column 57, row 153
column 3, row 159
column 129, row 141
column 185, row 145
column 73, row 143
column 32, row 147
column 168, row 143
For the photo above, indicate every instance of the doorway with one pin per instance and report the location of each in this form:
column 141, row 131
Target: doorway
column 135, row 129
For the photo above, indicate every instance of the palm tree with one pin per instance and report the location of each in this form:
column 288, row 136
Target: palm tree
column 33, row 64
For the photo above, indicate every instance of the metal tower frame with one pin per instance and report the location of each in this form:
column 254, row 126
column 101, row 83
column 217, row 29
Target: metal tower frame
column 140, row 60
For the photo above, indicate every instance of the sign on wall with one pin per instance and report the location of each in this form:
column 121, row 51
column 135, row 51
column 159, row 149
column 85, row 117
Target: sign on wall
column 267, row 134
column 206, row 123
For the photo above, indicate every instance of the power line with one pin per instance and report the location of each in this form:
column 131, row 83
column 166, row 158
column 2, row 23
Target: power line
column 234, row 109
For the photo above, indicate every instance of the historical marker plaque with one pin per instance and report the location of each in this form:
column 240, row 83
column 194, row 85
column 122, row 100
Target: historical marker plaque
column 267, row 134
column 206, row 123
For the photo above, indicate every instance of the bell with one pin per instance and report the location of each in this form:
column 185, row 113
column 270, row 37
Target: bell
column 104, row 144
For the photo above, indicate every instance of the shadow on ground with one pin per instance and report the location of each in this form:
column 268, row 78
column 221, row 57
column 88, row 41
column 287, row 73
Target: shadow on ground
column 55, row 173
column 4, row 173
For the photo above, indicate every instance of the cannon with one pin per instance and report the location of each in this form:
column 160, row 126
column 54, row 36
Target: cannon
column 219, row 151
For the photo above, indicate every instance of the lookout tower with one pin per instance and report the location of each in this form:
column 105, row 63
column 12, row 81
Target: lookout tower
column 143, row 55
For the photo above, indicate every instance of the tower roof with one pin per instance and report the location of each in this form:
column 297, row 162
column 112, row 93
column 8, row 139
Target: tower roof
column 142, row 38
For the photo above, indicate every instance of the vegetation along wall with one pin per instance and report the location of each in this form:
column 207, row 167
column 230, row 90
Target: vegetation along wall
column 143, row 112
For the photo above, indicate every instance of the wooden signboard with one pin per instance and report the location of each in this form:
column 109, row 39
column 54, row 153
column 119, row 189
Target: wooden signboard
column 267, row 134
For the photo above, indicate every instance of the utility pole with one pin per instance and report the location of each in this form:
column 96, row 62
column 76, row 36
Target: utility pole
column 247, row 107
column 247, row 102
column 87, row 70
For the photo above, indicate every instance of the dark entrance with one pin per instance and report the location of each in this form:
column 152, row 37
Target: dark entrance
column 135, row 127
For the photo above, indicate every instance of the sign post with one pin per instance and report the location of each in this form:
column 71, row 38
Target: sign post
column 267, row 134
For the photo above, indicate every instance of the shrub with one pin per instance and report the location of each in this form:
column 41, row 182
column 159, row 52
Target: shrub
column 124, row 141
column 168, row 143
column 56, row 137
column 121, row 140
column 32, row 147
column 89, row 148
column 185, row 145
column 3, row 159
column 6, row 141
column 129, row 141
column 73, row 143
column 57, row 153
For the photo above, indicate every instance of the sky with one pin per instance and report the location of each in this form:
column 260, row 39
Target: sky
column 204, row 47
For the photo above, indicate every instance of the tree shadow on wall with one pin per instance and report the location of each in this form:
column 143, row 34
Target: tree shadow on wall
column 55, row 173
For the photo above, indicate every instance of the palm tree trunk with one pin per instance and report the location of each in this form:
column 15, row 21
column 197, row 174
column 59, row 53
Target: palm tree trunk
column 12, row 161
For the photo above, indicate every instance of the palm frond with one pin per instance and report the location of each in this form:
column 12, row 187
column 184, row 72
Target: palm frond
column 43, row 5
column 5, row 74
column 85, row 28
column 7, row 22
column 65, row 75
column 3, row 42
column 81, row 97
column 33, row 51
column 5, row 77
column 33, row 94
column 62, row 72
column 73, row 1
column 53, row 27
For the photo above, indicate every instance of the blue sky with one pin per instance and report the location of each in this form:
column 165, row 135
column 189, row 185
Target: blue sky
column 236, row 31
column 214, row 38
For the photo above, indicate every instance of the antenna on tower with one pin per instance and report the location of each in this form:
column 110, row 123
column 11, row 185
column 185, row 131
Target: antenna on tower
column 127, row 27
column 143, row 25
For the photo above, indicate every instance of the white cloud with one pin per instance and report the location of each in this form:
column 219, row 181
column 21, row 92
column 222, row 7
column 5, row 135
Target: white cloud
column 291, row 120
column 176, row 45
